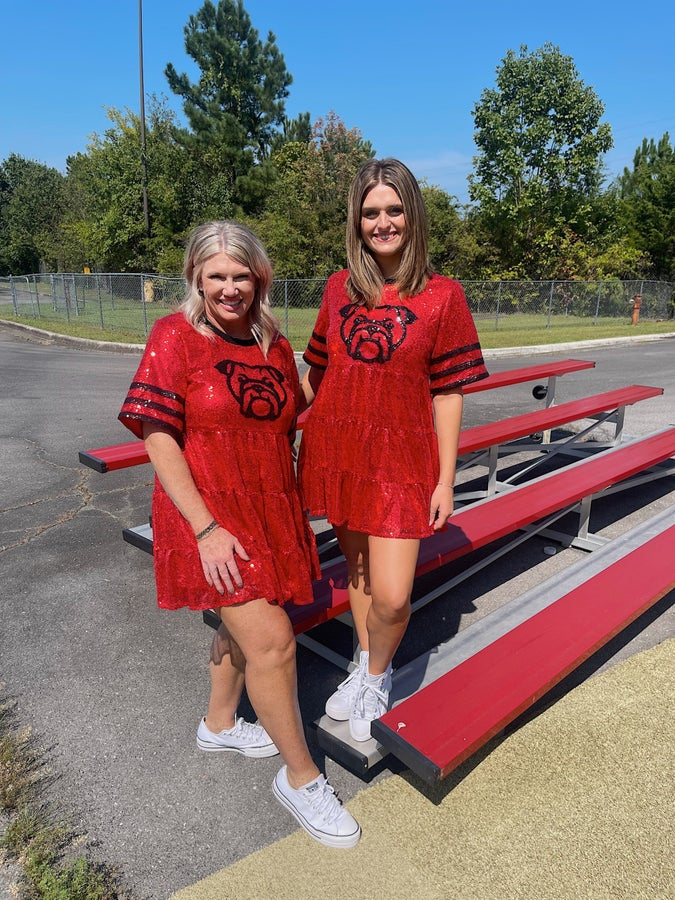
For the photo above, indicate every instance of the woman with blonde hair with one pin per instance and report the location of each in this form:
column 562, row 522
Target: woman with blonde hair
column 392, row 347
column 215, row 400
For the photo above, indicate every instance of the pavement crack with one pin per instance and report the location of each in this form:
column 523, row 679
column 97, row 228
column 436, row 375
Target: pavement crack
column 81, row 490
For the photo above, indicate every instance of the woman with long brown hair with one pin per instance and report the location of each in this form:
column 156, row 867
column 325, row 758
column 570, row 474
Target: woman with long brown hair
column 392, row 347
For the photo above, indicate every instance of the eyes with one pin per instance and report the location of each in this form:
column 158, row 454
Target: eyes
column 385, row 323
column 242, row 278
column 369, row 212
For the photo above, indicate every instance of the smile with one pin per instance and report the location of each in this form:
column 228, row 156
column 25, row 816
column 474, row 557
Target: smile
column 232, row 304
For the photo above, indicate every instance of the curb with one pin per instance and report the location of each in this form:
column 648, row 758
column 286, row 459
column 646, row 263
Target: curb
column 113, row 347
column 70, row 340
column 576, row 345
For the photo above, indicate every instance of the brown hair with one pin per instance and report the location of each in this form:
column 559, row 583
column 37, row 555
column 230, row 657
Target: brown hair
column 243, row 246
column 365, row 278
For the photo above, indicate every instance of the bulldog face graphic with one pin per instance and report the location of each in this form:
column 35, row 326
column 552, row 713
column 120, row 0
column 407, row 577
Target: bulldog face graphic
column 259, row 390
column 373, row 337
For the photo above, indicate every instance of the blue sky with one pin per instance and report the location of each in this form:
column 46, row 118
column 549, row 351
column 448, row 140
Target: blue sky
column 407, row 74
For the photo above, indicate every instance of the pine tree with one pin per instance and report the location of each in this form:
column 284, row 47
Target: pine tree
column 236, row 109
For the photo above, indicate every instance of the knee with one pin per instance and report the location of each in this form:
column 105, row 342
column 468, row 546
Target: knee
column 276, row 651
column 392, row 607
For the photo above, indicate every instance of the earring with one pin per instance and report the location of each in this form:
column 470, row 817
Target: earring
column 200, row 292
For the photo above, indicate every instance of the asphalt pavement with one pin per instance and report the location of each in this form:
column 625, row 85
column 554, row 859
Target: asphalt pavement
column 113, row 688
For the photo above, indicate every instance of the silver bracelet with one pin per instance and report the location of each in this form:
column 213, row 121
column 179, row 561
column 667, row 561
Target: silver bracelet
column 209, row 528
column 445, row 483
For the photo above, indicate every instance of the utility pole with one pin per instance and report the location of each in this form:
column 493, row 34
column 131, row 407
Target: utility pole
column 144, row 160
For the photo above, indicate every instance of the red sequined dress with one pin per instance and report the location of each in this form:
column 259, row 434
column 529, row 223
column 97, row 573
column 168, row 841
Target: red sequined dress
column 369, row 452
column 233, row 412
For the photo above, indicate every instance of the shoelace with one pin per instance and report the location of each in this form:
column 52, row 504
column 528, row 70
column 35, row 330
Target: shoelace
column 325, row 802
column 350, row 683
column 371, row 702
column 244, row 729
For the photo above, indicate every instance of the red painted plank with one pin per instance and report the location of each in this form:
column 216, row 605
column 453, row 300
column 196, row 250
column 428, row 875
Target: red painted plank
column 450, row 719
column 476, row 526
column 483, row 436
column 528, row 373
column 117, row 456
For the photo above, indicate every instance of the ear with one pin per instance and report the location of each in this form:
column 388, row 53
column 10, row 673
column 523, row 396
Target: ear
column 276, row 374
column 226, row 367
column 347, row 310
column 406, row 315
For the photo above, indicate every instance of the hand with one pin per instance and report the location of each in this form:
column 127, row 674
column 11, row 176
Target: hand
column 217, row 552
column 441, row 507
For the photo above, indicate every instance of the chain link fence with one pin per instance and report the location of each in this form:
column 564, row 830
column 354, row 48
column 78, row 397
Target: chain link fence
column 129, row 304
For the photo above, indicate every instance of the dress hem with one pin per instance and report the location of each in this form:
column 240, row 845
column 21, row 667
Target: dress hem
column 373, row 532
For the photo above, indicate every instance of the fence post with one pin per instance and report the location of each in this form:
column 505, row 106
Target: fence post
column 66, row 296
column 499, row 295
column 286, row 303
column 100, row 302
column 37, row 295
column 14, row 300
column 144, row 304
column 597, row 304
column 29, row 292
column 550, row 305
column 74, row 277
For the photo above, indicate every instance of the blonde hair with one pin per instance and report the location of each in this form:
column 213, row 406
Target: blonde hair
column 244, row 247
column 365, row 277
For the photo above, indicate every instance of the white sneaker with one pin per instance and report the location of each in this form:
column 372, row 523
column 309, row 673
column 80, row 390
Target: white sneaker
column 319, row 811
column 243, row 737
column 371, row 703
column 340, row 704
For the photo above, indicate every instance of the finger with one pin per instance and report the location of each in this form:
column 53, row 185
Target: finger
column 228, row 582
column 207, row 574
column 234, row 572
column 217, row 583
column 239, row 550
column 442, row 519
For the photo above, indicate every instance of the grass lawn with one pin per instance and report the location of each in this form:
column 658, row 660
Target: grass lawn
column 128, row 323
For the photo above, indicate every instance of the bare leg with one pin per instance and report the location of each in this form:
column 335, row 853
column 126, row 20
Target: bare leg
column 263, row 632
column 354, row 545
column 392, row 572
column 226, row 667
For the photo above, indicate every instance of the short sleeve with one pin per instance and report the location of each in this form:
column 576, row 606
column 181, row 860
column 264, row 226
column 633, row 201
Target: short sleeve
column 316, row 353
column 456, row 359
column 157, row 393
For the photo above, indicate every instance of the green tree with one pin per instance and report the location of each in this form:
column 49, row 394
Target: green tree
column 303, row 223
column 236, row 109
column 453, row 249
column 31, row 209
column 106, row 211
column 539, row 169
column 646, row 204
